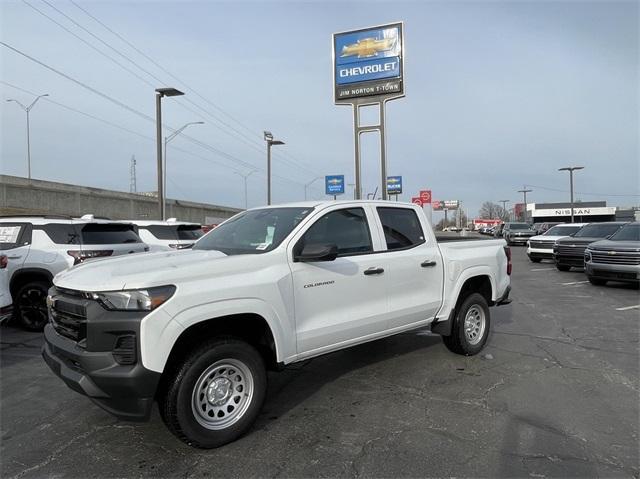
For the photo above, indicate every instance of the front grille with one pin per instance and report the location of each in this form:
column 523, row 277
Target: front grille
column 627, row 258
column 541, row 244
column 69, row 319
column 570, row 250
column 615, row 275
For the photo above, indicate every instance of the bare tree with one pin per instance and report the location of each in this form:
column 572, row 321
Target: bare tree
column 493, row 211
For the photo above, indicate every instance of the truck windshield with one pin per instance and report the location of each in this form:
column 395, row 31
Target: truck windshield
column 562, row 230
column 254, row 231
column 595, row 230
column 519, row 226
column 630, row 232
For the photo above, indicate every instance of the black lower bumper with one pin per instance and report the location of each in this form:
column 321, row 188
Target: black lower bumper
column 536, row 255
column 566, row 260
column 127, row 392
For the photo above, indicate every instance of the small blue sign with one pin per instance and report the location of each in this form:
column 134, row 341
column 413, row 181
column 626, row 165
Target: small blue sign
column 394, row 185
column 334, row 185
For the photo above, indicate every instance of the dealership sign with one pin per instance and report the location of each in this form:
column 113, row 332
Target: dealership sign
column 394, row 185
column 334, row 184
column 368, row 62
column 595, row 211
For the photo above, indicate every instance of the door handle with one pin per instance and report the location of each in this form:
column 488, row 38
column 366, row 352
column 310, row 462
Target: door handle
column 373, row 270
column 14, row 257
column 426, row 264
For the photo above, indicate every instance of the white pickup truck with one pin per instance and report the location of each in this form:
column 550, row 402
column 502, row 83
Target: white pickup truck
column 196, row 330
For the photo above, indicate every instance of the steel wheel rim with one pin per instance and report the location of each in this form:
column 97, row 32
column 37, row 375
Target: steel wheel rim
column 32, row 306
column 474, row 324
column 222, row 394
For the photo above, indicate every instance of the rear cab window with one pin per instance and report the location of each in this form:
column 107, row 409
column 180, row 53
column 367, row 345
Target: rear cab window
column 401, row 227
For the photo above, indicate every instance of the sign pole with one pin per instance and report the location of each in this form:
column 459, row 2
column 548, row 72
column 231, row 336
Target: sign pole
column 383, row 152
column 356, row 141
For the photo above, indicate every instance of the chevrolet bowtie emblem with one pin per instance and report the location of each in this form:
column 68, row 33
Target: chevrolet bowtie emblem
column 334, row 181
column 393, row 180
column 368, row 47
column 612, row 252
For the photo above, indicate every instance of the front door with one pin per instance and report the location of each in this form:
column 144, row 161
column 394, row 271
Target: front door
column 345, row 299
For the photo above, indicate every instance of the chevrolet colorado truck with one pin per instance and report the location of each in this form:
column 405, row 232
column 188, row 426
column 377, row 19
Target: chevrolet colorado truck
column 196, row 330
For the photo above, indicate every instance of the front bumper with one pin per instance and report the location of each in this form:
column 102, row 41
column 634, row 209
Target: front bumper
column 518, row 239
column 613, row 272
column 538, row 253
column 569, row 260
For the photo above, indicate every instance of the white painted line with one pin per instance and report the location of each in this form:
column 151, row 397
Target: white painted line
column 627, row 308
column 575, row 282
column 543, row 269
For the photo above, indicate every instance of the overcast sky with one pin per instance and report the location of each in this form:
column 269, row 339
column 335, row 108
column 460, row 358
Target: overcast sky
column 499, row 95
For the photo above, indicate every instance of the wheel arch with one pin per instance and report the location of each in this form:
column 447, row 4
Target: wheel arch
column 26, row 275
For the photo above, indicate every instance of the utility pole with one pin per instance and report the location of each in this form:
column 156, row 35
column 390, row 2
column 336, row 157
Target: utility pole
column 504, row 208
column 133, row 187
column 268, row 137
column 246, row 201
column 27, row 109
column 571, row 169
column 524, row 192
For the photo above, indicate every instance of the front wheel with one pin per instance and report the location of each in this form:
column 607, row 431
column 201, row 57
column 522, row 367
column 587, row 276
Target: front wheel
column 471, row 328
column 535, row 260
column 563, row 267
column 597, row 281
column 214, row 395
column 31, row 305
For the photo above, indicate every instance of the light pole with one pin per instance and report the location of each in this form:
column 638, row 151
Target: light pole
column 306, row 186
column 504, row 207
column 167, row 139
column 27, row 109
column 245, row 185
column 161, row 92
column 524, row 192
column 571, row 169
column 268, row 137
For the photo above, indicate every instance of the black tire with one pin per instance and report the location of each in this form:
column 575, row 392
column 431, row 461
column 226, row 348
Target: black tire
column 563, row 267
column 535, row 260
column 458, row 342
column 176, row 397
column 31, row 305
column 597, row 281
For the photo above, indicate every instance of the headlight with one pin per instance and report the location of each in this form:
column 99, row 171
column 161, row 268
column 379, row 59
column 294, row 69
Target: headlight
column 587, row 256
column 528, row 243
column 134, row 300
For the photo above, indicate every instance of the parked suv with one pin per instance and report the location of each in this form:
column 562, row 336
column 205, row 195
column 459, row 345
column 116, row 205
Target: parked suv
column 39, row 247
column 517, row 233
column 569, row 252
column 167, row 235
column 541, row 247
column 616, row 258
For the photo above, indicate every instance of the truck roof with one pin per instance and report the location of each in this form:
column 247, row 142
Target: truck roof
column 317, row 203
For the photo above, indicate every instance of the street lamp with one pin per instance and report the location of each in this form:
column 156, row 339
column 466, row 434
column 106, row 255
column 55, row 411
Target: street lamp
column 524, row 192
column 245, row 185
column 167, row 139
column 268, row 137
column 306, row 186
column 161, row 92
column 27, row 109
column 504, row 207
column 571, row 169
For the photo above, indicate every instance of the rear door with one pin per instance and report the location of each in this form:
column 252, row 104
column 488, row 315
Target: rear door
column 100, row 238
column 415, row 267
column 345, row 299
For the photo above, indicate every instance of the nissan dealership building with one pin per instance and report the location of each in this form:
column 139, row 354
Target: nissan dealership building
column 584, row 212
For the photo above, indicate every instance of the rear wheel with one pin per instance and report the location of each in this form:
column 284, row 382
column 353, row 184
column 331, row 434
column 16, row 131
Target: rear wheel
column 471, row 327
column 215, row 393
column 31, row 305
column 597, row 281
column 563, row 267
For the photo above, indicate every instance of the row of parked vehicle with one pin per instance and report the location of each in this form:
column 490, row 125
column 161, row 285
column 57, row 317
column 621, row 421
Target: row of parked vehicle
column 33, row 249
column 606, row 251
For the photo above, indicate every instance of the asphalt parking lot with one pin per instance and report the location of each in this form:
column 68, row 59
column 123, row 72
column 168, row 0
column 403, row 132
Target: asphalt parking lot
column 554, row 393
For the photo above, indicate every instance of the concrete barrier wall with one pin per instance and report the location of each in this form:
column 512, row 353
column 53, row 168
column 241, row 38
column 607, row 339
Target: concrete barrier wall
column 22, row 196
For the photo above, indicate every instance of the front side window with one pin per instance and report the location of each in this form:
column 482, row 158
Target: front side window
column 254, row 231
column 347, row 229
column 401, row 227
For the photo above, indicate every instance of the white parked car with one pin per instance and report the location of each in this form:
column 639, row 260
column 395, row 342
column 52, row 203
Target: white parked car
column 196, row 330
column 167, row 235
column 6, row 307
column 39, row 247
column 541, row 246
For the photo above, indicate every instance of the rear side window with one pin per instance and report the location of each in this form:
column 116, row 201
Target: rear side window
column 13, row 235
column 109, row 233
column 61, row 233
column 401, row 227
column 346, row 228
column 175, row 232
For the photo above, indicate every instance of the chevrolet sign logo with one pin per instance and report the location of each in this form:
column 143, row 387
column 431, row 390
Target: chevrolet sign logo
column 392, row 181
column 368, row 47
column 334, row 181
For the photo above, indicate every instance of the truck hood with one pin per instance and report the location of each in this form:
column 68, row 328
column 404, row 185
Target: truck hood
column 148, row 270
column 608, row 245
column 570, row 240
column 547, row 239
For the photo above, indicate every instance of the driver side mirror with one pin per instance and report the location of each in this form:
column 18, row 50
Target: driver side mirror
column 317, row 252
